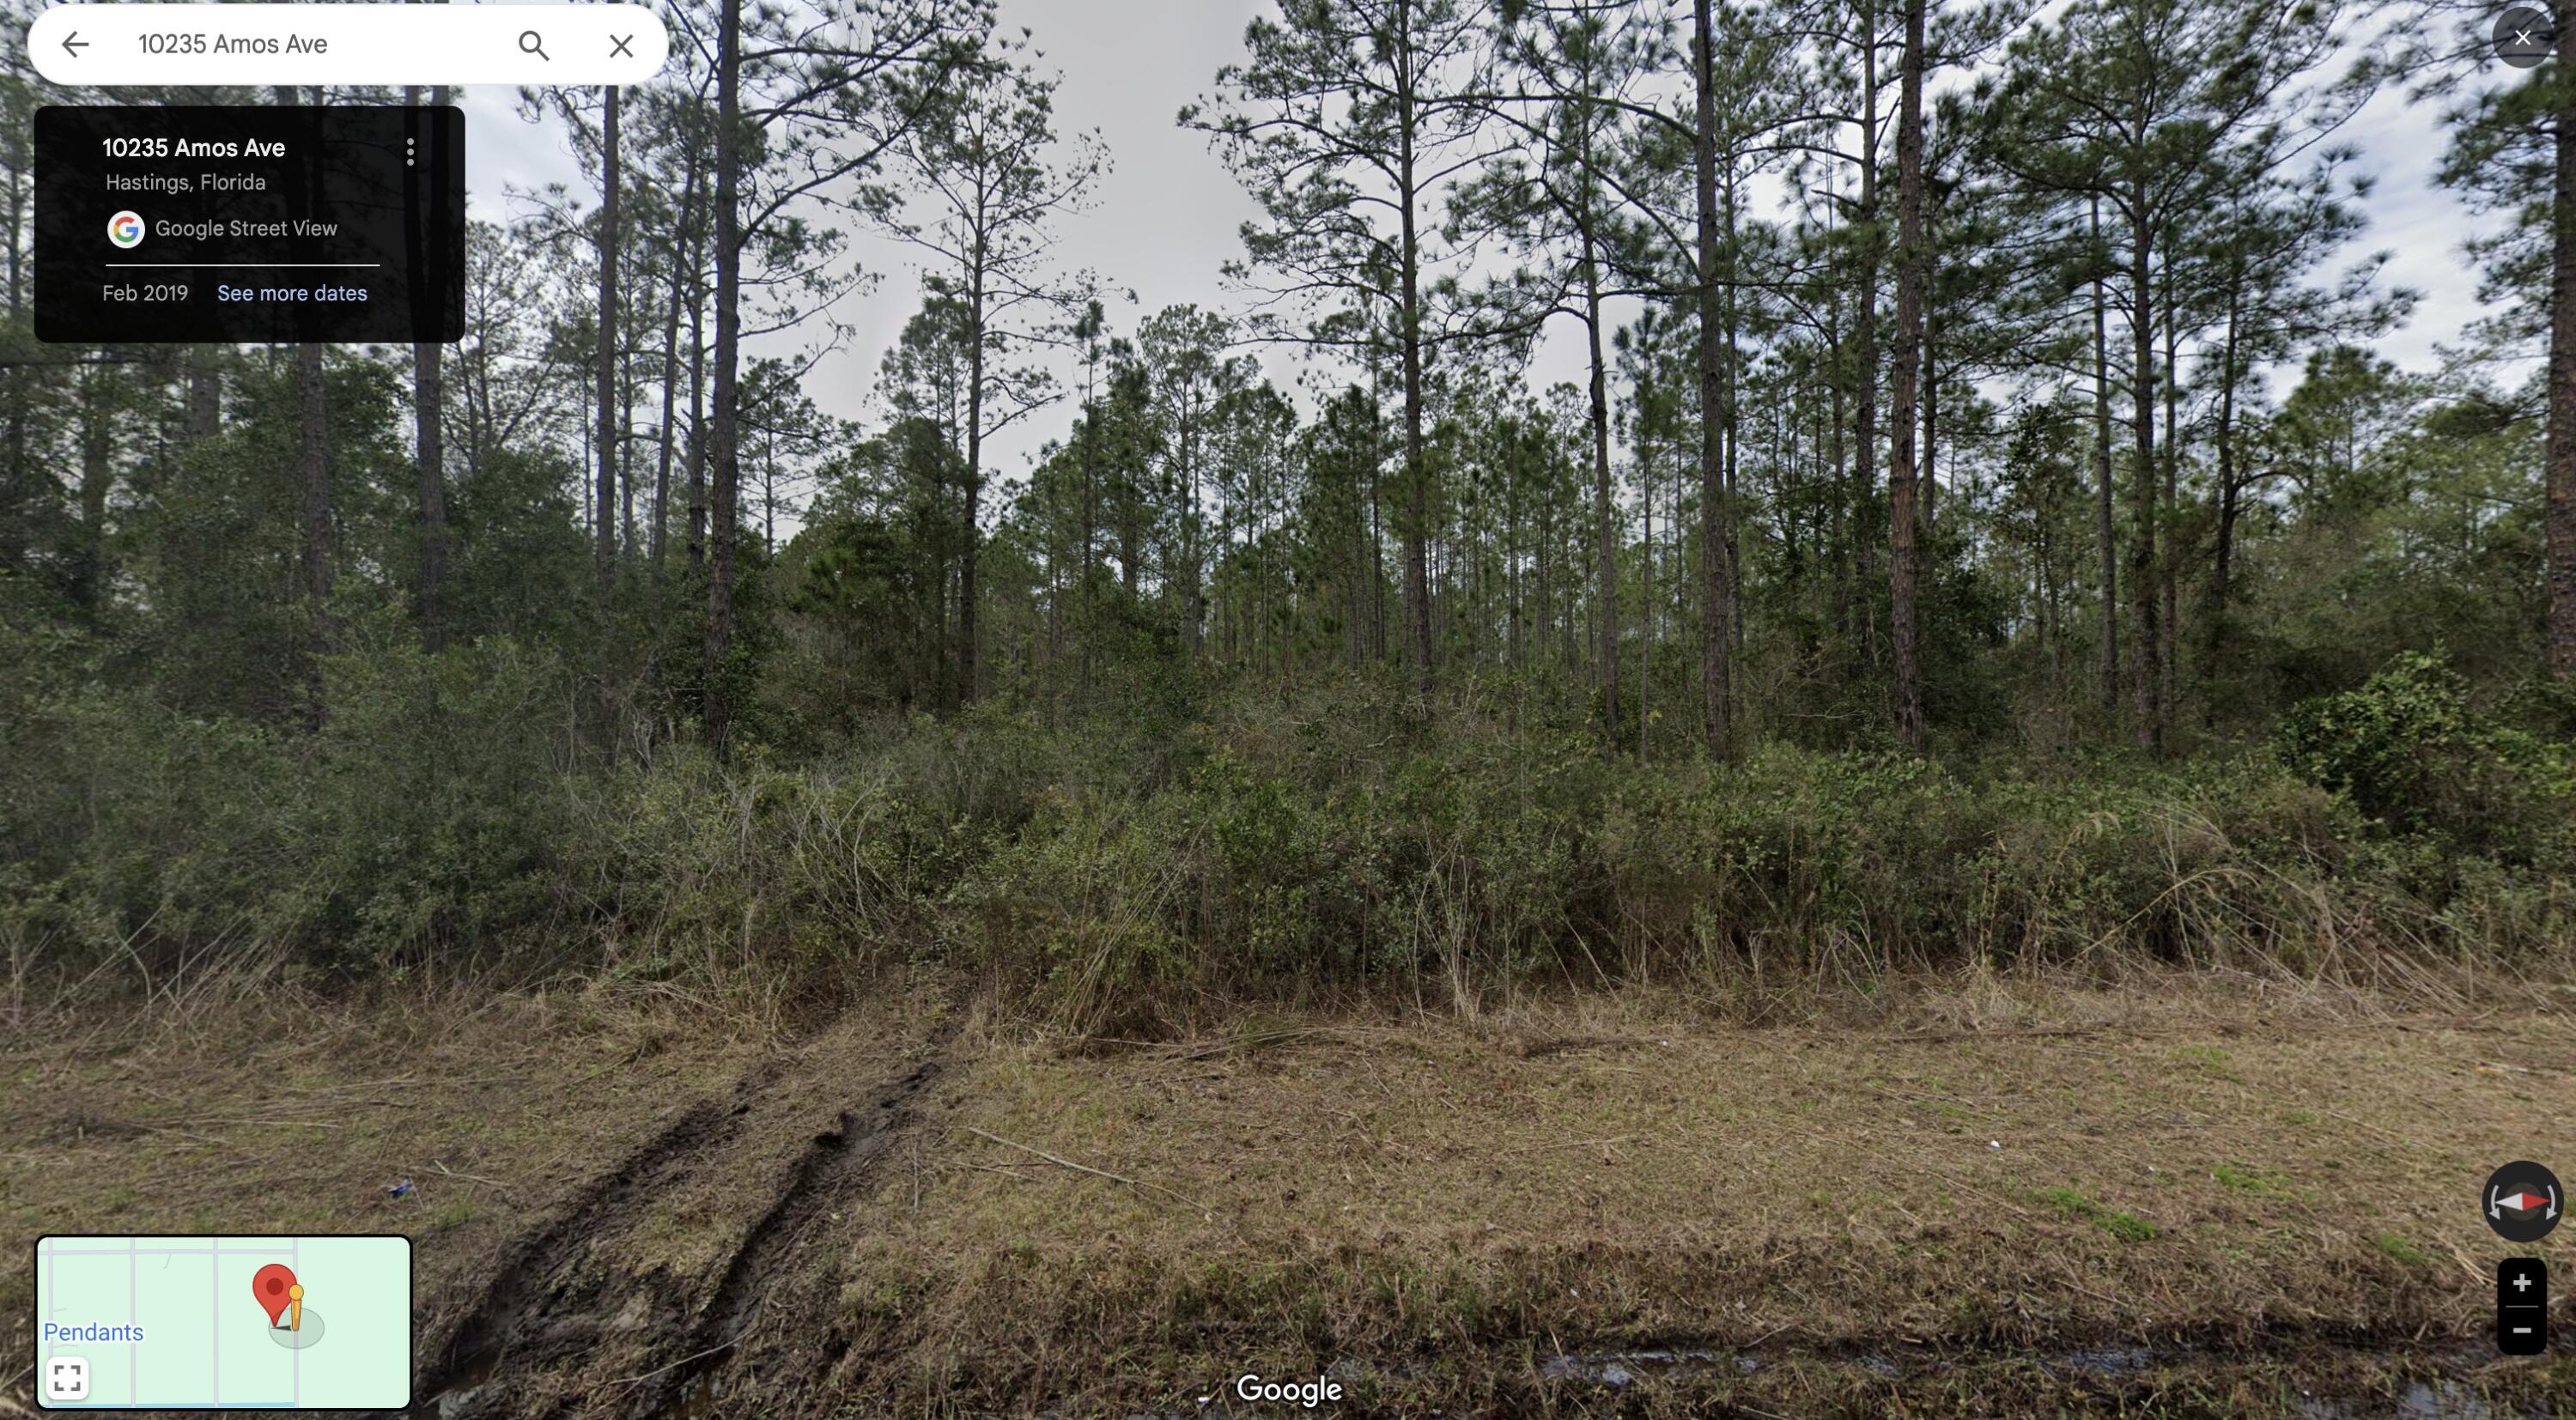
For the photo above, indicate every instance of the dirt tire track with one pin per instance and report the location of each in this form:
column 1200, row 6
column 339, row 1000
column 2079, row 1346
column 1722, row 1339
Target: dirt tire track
column 547, row 1264
column 838, row 1160
column 556, row 1309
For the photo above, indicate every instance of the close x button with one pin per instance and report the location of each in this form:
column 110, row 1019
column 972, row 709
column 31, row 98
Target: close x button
column 2522, row 1306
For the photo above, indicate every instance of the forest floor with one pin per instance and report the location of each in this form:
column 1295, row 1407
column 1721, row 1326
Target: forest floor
column 2185, row 1197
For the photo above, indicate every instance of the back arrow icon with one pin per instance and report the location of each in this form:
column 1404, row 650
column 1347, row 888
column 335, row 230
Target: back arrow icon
column 73, row 44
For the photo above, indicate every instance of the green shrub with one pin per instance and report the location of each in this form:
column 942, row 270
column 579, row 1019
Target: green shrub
column 1481, row 860
column 437, row 801
column 451, row 811
column 2411, row 751
column 423, row 816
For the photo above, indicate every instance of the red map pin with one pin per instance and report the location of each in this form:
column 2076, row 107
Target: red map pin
column 269, row 1284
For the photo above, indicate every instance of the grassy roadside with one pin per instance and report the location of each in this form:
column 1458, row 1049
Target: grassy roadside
column 1456, row 1206
column 2190, row 1195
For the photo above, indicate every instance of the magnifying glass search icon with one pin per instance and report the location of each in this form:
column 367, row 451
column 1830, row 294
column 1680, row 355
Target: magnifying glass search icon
column 530, row 42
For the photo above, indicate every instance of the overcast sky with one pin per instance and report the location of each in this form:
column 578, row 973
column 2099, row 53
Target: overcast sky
column 1168, row 213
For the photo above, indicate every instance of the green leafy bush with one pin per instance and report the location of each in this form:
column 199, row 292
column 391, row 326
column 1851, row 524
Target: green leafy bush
column 2410, row 750
column 448, row 811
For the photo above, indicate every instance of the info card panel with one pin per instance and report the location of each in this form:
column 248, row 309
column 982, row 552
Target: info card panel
column 250, row 224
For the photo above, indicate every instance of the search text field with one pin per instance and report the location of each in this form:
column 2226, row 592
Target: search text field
column 360, row 44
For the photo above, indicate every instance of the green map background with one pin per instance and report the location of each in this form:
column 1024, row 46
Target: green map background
column 208, row 1342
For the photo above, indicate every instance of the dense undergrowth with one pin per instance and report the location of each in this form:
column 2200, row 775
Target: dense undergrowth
column 450, row 816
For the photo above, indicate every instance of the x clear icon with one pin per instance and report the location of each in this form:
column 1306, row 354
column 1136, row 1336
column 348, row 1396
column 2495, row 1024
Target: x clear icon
column 2525, row 35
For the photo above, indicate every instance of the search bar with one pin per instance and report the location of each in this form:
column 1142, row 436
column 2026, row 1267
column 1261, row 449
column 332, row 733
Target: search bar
column 347, row 44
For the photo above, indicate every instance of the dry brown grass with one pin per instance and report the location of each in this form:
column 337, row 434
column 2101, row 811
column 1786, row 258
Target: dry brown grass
column 1998, row 1167
column 2273, row 1178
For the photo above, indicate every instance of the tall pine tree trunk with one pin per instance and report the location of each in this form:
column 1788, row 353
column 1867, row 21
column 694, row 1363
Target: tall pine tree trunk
column 1902, row 568
column 974, row 495
column 2145, row 485
column 2213, row 631
column 1717, row 662
column 2104, row 526
column 1731, row 430
column 681, row 258
column 1417, row 499
column 697, row 420
column 2169, row 459
column 1605, row 529
column 1084, row 456
column 604, row 364
column 1648, row 614
column 1928, row 487
column 725, row 429
column 1865, row 333
column 1193, row 545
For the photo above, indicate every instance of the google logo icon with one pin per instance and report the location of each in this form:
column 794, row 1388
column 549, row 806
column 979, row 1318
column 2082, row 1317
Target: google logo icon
column 126, row 230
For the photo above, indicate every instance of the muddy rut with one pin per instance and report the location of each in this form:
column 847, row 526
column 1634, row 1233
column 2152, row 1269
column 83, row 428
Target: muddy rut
column 580, row 1321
